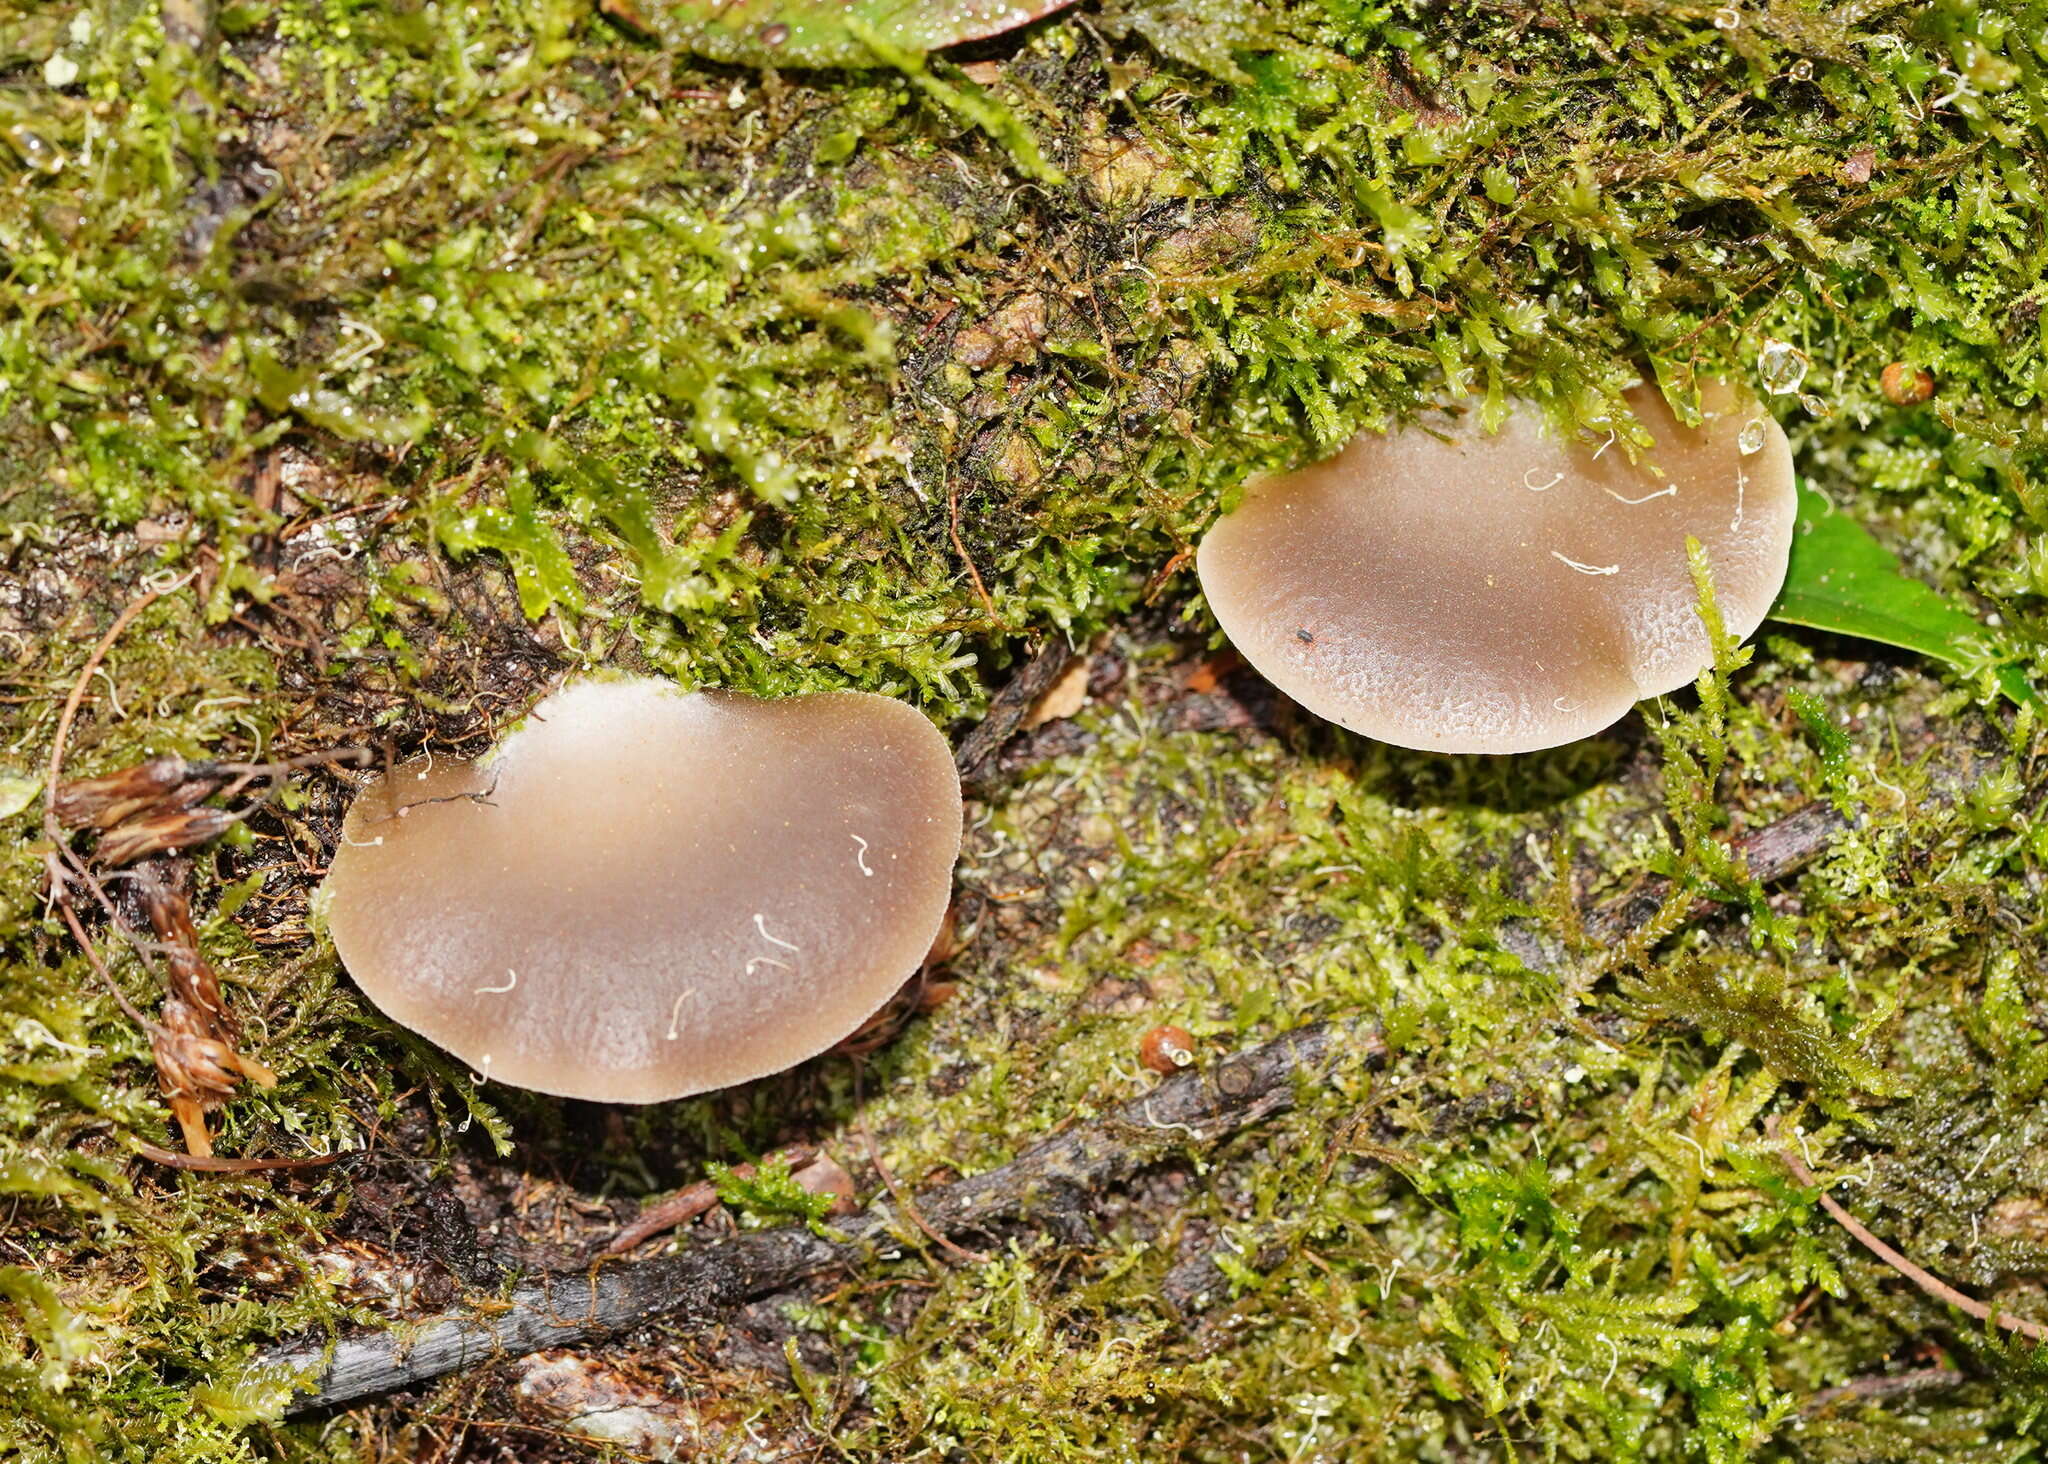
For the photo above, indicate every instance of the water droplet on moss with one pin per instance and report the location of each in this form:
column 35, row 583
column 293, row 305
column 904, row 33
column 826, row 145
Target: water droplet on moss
column 34, row 150
column 1781, row 366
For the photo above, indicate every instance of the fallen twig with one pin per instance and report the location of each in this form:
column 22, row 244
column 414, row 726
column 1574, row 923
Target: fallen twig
column 1927, row 1379
column 214, row 1164
column 810, row 1168
column 558, row 1309
column 1779, row 848
column 1783, row 846
column 1006, row 712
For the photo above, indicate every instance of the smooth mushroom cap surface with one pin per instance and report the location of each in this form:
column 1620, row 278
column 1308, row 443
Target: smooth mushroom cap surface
column 641, row 894
column 1508, row 592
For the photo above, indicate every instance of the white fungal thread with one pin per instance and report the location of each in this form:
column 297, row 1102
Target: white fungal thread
column 369, row 344
column 1980, row 1159
column 675, row 1014
column 861, row 858
column 422, row 774
column 1585, row 568
column 1962, row 89
column 1387, row 1276
column 1668, row 491
column 113, row 694
column 1555, row 479
column 1706, row 1165
column 1898, row 793
column 1741, row 483
column 1615, row 1365
column 1151, row 1122
column 511, row 980
column 1603, row 447
column 767, row 961
column 1559, row 703
column 480, row 1078
column 376, row 843
column 164, row 581
column 761, row 924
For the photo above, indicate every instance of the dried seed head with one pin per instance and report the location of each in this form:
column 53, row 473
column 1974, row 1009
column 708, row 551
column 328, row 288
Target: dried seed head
column 169, row 831
column 147, row 787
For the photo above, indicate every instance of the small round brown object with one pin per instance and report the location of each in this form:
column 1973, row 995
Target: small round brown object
column 1167, row 1049
column 1905, row 386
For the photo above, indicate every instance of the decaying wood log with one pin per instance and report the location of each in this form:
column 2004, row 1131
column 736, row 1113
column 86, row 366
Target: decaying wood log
column 1045, row 1189
column 556, row 1309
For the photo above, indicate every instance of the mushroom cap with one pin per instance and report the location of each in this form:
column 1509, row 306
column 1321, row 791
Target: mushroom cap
column 641, row 894
column 1508, row 592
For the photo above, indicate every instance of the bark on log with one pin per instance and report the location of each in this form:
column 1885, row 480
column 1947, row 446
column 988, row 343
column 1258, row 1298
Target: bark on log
column 556, row 1309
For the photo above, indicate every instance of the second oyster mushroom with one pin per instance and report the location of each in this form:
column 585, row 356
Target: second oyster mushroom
column 1509, row 592
column 641, row 894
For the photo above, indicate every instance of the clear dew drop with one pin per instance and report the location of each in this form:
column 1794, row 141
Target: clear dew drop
column 1752, row 438
column 1815, row 407
column 33, row 149
column 1782, row 366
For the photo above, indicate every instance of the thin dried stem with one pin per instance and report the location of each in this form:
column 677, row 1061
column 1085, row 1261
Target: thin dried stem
column 960, row 548
column 1920, row 1276
column 55, row 774
column 92, row 955
column 214, row 1164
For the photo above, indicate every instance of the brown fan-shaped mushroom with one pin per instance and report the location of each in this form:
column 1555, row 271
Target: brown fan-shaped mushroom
column 1507, row 592
column 641, row 894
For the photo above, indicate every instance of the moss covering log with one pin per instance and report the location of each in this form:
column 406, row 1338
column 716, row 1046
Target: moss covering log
column 451, row 347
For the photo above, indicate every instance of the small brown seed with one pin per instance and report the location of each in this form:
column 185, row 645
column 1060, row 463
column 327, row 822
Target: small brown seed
column 1905, row 386
column 1167, row 1049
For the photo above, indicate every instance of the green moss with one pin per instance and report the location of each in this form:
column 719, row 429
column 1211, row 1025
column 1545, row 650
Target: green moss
column 802, row 380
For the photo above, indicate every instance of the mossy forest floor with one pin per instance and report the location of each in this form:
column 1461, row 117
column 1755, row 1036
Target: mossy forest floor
column 434, row 350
